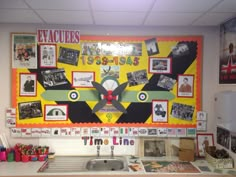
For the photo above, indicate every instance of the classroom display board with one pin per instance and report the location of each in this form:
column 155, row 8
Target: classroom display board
column 62, row 79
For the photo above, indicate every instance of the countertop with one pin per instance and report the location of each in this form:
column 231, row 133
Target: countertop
column 21, row 169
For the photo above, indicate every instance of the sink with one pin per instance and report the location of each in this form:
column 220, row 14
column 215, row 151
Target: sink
column 107, row 164
column 68, row 164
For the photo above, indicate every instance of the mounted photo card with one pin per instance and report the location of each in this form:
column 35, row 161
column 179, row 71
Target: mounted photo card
column 83, row 79
column 24, row 50
column 203, row 142
column 160, row 65
column 153, row 147
column 29, row 110
column 48, row 55
column 185, row 85
column 159, row 111
column 28, row 84
column 152, row 46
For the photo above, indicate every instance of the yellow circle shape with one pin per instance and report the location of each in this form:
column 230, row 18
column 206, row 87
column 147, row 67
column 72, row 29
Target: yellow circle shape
column 139, row 94
column 73, row 95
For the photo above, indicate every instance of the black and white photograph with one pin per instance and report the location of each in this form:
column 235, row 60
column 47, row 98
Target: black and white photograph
column 154, row 147
column 24, row 50
column 159, row 111
column 166, row 82
column 28, row 110
column 223, row 136
column 68, row 56
column 54, row 77
column 160, row 65
column 48, row 55
column 137, row 77
column 152, row 46
column 185, row 85
column 182, row 111
column 180, row 50
column 82, row 79
column 233, row 142
column 28, row 83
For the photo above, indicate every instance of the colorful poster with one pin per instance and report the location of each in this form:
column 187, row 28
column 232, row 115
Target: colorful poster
column 109, row 81
column 227, row 66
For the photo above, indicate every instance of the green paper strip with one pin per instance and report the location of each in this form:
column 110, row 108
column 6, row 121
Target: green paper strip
column 92, row 95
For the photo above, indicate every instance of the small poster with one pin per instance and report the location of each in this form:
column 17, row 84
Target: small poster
column 36, row 132
column 66, row 131
column 24, row 51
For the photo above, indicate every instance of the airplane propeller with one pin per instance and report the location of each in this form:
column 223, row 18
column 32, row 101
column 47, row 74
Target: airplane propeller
column 109, row 96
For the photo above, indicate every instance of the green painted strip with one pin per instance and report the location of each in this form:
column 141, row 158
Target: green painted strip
column 132, row 96
column 62, row 95
column 92, row 95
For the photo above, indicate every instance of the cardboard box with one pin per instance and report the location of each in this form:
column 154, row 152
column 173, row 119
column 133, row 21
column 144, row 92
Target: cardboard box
column 186, row 143
column 186, row 155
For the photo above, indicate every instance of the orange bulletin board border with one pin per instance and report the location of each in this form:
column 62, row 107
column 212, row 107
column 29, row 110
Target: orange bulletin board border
column 194, row 69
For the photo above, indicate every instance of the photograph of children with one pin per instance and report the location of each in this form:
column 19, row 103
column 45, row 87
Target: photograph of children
column 137, row 77
column 166, row 82
column 159, row 111
column 48, row 55
column 182, row 111
column 91, row 48
column 152, row 46
column 68, row 56
column 160, row 65
column 185, row 85
column 82, row 79
column 28, row 83
column 233, row 142
column 54, row 77
column 180, row 50
column 28, row 110
column 154, row 148
column 223, row 137
column 24, row 51
column 113, row 71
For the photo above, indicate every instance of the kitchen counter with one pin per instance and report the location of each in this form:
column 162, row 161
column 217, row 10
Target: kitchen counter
column 22, row 169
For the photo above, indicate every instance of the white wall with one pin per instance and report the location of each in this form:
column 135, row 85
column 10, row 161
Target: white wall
column 210, row 63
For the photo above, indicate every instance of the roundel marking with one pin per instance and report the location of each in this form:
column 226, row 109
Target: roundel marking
column 73, row 95
column 142, row 96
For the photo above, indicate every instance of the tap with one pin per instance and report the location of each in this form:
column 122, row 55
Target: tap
column 112, row 151
column 98, row 151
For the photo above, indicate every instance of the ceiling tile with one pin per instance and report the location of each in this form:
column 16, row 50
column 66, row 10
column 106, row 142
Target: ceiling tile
column 171, row 19
column 122, row 5
column 213, row 19
column 118, row 18
column 183, row 5
column 226, row 6
column 59, row 4
column 13, row 4
column 18, row 16
column 65, row 17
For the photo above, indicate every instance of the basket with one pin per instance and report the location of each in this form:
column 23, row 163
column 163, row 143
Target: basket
column 219, row 163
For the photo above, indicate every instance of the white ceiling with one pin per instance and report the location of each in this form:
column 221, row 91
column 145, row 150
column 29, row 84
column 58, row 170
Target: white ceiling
column 118, row 12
